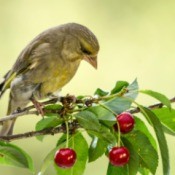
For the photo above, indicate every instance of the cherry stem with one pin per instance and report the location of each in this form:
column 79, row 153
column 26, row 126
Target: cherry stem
column 102, row 105
column 118, row 126
column 119, row 134
column 73, row 144
column 67, row 134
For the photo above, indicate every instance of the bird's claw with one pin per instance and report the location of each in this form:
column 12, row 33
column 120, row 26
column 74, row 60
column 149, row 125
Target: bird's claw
column 38, row 106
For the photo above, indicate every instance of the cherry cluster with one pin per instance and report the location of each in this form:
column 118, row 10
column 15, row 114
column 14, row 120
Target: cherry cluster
column 118, row 155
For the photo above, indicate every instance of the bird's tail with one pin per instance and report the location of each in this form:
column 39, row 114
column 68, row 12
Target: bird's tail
column 7, row 126
column 2, row 87
column 3, row 84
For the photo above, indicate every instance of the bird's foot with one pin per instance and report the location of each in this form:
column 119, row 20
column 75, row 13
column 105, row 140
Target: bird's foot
column 38, row 106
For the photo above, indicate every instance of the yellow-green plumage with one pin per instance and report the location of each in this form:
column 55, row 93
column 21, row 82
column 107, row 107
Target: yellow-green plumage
column 47, row 64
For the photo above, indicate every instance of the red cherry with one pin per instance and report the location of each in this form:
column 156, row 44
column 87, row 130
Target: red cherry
column 125, row 121
column 119, row 156
column 65, row 157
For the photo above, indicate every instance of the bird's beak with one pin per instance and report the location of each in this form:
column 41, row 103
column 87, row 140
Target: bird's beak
column 92, row 60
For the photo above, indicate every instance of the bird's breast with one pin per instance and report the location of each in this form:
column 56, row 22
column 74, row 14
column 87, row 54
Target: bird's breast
column 57, row 81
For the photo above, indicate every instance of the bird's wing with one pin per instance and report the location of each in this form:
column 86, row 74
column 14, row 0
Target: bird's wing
column 25, row 58
column 35, row 58
column 21, row 64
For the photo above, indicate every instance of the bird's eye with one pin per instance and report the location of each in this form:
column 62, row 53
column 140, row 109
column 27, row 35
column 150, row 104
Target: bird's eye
column 85, row 51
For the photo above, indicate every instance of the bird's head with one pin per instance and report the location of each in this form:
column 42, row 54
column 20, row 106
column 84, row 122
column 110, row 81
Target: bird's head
column 90, row 50
column 88, row 43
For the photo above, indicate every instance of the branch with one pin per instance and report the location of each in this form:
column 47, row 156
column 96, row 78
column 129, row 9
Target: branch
column 26, row 111
column 154, row 106
column 60, row 129
column 16, row 115
column 48, row 131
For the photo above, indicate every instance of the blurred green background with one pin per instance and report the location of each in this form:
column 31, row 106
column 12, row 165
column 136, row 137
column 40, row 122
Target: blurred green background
column 137, row 39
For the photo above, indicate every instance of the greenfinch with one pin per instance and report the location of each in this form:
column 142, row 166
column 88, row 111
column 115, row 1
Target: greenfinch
column 46, row 64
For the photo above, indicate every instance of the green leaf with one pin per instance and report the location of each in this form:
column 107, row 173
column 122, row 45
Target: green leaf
column 118, row 104
column 53, row 107
column 139, row 125
column 162, row 98
column 97, row 149
column 119, row 86
column 105, row 135
column 88, row 120
column 160, row 137
column 133, row 163
column 52, row 110
column 12, row 155
column 146, row 152
column 100, row 92
column 114, row 170
column 132, row 167
column 104, row 115
column 48, row 122
column 80, row 97
column 144, row 171
column 62, row 139
column 79, row 144
column 132, row 90
column 167, row 118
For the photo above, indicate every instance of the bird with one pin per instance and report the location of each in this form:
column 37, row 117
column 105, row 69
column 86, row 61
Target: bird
column 46, row 65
